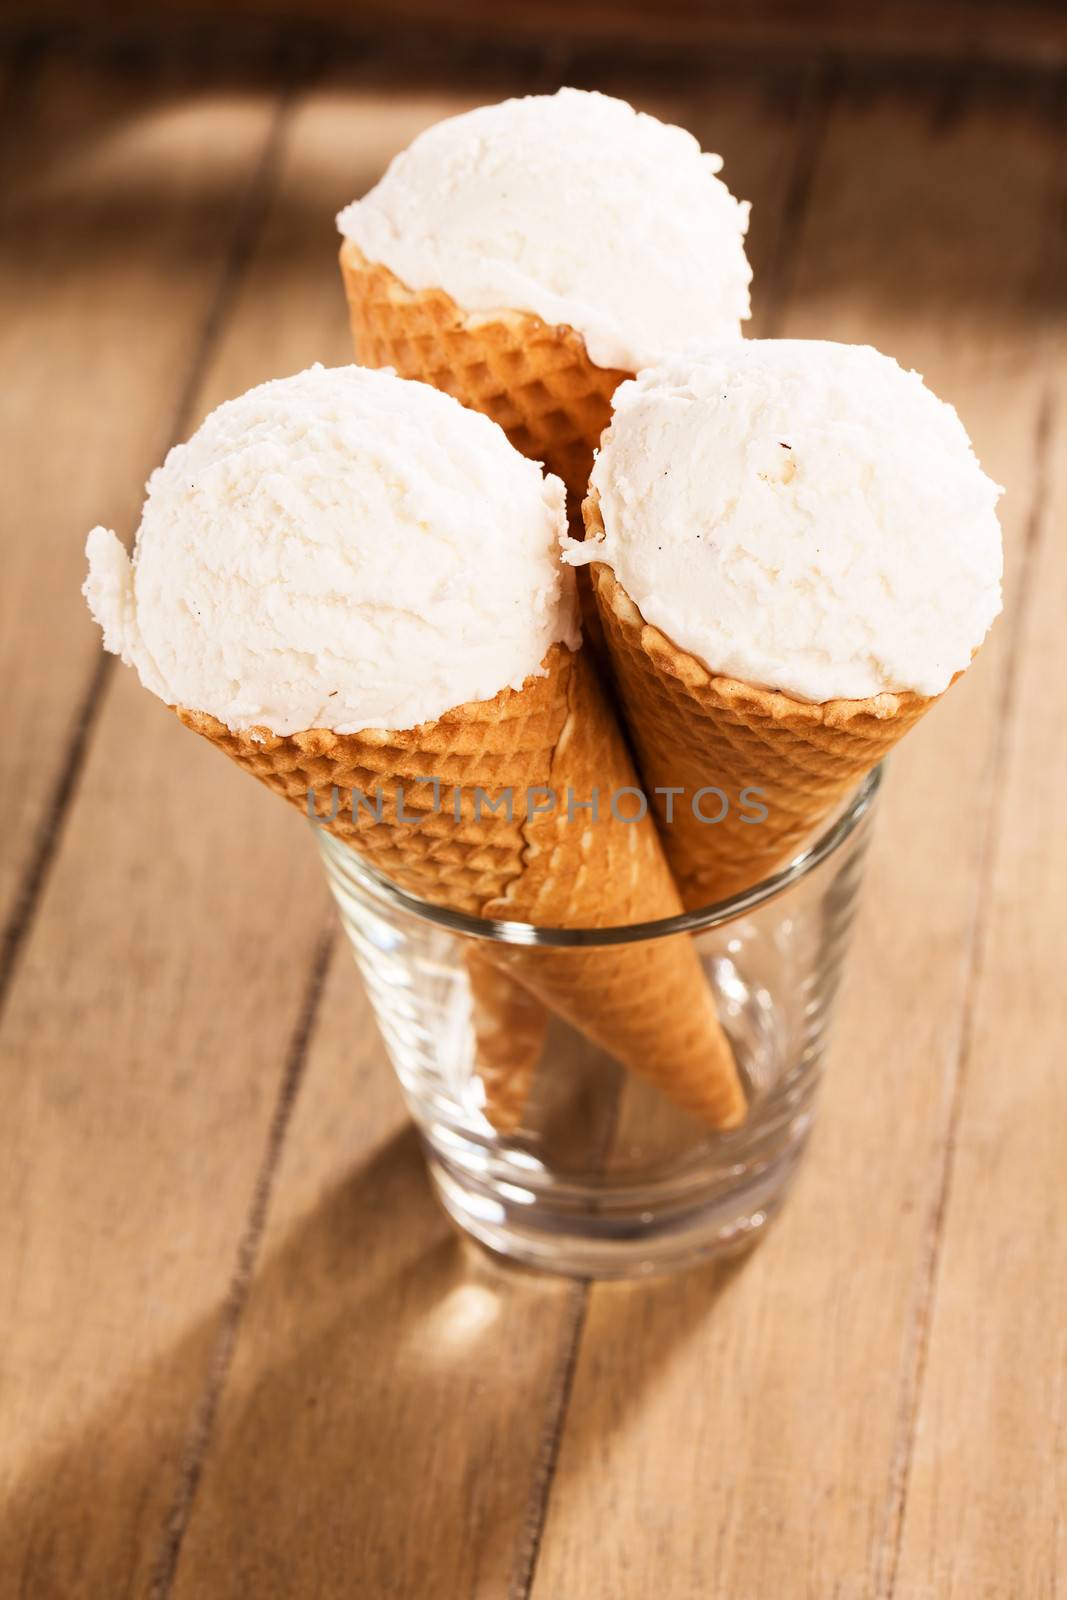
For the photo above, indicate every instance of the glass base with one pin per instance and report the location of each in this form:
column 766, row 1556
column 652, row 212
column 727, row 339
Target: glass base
column 559, row 1154
column 632, row 1232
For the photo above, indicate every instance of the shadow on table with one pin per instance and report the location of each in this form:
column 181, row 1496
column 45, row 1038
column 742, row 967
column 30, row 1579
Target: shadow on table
column 390, row 1411
column 385, row 1426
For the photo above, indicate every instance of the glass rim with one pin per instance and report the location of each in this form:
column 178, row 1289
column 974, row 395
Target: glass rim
column 715, row 915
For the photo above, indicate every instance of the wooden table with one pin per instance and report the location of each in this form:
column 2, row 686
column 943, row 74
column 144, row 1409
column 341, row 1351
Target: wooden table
column 241, row 1352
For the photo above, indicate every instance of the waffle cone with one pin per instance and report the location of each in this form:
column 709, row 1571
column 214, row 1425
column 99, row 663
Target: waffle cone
column 649, row 1003
column 692, row 729
column 534, row 379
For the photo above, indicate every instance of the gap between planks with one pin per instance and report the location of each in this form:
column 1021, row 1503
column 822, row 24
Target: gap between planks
column 247, row 1252
column 975, row 960
column 247, row 216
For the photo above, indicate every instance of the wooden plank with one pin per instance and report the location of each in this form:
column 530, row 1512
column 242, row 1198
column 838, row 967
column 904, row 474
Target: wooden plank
column 983, row 1515
column 744, row 1428
column 392, row 1404
column 152, row 1003
column 118, row 214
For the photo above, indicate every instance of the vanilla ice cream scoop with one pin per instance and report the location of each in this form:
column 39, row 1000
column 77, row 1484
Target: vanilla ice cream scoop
column 801, row 516
column 571, row 206
column 341, row 549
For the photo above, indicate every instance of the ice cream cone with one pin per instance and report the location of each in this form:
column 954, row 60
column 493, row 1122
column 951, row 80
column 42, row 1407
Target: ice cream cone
column 647, row 1003
column 693, row 730
column 535, row 380
column 528, row 256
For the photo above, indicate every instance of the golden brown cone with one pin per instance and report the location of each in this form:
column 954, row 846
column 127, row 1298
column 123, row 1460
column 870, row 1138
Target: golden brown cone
column 692, row 729
column 534, row 379
column 648, row 1004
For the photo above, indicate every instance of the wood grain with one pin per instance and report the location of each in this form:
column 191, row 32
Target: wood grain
column 751, row 1426
column 241, row 1353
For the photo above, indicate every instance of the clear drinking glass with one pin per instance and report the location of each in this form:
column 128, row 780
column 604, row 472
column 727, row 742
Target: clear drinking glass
column 604, row 1177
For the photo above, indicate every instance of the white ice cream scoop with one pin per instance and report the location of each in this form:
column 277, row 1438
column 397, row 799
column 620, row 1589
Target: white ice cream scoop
column 574, row 207
column 802, row 516
column 340, row 549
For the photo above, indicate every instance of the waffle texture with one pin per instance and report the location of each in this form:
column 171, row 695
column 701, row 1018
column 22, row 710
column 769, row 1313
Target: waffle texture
column 649, row 1003
column 535, row 380
column 693, row 730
